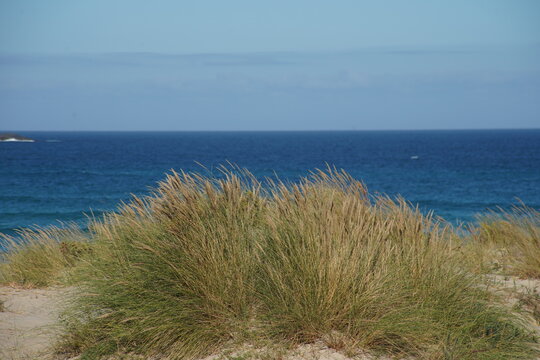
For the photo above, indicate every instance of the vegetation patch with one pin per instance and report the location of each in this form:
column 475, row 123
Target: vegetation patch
column 207, row 264
column 510, row 241
column 42, row 257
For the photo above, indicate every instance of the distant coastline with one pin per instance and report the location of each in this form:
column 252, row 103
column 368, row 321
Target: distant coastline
column 14, row 138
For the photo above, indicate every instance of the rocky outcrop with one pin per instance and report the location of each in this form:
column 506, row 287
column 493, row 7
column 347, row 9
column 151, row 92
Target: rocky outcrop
column 15, row 137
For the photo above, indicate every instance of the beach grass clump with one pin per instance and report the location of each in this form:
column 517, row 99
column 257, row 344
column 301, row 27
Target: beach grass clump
column 377, row 274
column 209, row 262
column 511, row 239
column 174, row 273
column 42, row 256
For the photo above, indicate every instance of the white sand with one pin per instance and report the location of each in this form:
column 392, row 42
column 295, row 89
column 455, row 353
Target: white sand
column 28, row 322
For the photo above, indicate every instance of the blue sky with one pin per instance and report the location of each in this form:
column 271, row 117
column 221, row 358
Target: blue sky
column 247, row 65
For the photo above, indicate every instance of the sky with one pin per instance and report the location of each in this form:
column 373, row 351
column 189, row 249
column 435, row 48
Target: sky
column 275, row 65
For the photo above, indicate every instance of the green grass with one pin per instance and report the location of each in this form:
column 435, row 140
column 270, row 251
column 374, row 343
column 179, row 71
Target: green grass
column 175, row 273
column 206, row 264
column 41, row 257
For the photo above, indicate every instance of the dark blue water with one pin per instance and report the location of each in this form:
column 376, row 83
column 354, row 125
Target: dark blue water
column 457, row 173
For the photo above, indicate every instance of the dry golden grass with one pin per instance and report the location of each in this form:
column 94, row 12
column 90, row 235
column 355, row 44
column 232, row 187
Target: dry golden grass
column 373, row 272
column 509, row 241
column 40, row 257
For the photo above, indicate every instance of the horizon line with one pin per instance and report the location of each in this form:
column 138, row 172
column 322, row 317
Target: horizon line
column 294, row 130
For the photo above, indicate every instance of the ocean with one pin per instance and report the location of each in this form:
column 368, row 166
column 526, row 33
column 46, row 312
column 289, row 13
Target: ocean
column 67, row 176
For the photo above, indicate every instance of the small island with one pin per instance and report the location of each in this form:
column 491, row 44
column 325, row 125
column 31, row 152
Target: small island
column 14, row 138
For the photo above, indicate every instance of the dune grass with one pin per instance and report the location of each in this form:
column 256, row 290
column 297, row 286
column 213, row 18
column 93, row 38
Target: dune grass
column 41, row 257
column 206, row 263
column 376, row 273
column 510, row 241
column 212, row 263
column 175, row 272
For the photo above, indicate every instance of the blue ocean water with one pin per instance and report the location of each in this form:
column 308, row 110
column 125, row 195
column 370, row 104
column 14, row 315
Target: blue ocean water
column 456, row 174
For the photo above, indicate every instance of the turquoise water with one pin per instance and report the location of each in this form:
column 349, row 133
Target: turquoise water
column 65, row 175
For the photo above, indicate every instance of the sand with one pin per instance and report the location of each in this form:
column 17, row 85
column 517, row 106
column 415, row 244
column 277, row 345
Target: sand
column 523, row 294
column 28, row 322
